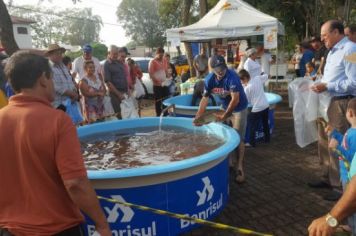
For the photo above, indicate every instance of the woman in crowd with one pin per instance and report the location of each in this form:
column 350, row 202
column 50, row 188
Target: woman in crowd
column 93, row 92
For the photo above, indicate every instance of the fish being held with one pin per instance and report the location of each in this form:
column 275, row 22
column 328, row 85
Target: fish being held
column 207, row 117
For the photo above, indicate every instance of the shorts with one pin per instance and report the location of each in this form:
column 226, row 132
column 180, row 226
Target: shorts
column 239, row 122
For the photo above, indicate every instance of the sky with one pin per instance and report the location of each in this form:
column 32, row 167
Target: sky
column 111, row 31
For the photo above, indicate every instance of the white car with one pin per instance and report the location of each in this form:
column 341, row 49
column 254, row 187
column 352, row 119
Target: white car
column 143, row 62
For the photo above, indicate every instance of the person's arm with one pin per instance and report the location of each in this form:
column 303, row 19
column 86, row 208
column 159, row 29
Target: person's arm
column 151, row 71
column 202, row 107
column 195, row 64
column 347, row 85
column 235, row 99
column 82, row 194
column 70, row 166
column 85, row 89
column 263, row 77
column 345, row 207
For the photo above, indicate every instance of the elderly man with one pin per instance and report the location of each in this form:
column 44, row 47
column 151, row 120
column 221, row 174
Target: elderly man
column 78, row 63
column 42, row 175
column 339, row 81
column 115, row 76
column 226, row 84
column 63, row 83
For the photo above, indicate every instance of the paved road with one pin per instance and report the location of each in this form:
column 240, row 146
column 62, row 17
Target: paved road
column 275, row 198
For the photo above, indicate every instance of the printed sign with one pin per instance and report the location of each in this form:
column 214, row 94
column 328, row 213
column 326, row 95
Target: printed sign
column 270, row 38
column 199, row 196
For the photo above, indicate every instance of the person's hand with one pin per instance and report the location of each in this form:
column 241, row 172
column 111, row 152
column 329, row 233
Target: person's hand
column 219, row 117
column 196, row 121
column 333, row 143
column 319, row 227
column 328, row 129
column 319, row 88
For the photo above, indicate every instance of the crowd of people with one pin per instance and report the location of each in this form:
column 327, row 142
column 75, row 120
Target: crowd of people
column 50, row 175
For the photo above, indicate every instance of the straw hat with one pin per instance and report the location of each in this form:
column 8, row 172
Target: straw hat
column 54, row 47
column 351, row 58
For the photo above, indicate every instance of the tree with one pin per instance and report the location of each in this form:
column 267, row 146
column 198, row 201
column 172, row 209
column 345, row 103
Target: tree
column 141, row 21
column 6, row 30
column 63, row 26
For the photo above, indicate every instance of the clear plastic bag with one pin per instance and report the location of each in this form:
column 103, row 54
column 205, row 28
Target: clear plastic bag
column 129, row 108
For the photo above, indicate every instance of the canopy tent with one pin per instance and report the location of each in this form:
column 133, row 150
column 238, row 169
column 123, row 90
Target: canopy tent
column 228, row 19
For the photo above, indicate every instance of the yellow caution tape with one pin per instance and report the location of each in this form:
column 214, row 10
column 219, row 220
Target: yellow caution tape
column 184, row 217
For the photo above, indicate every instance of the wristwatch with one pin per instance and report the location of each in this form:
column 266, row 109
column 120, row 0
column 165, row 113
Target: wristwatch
column 331, row 221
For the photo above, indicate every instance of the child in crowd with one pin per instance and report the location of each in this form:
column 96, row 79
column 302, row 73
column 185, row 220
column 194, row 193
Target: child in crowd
column 260, row 107
column 93, row 92
column 169, row 82
column 346, row 145
column 310, row 71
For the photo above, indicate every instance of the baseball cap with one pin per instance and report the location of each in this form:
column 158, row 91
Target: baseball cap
column 87, row 48
column 217, row 61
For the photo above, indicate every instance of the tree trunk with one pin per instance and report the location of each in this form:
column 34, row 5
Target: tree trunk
column 185, row 20
column 203, row 8
column 6, row 31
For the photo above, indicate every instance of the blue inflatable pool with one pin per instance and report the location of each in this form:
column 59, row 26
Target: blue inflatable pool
column 183, row 108
column 197, row 187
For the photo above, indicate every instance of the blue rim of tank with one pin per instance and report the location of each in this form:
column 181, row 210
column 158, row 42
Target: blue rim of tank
column 182, row 101
column 227, row 133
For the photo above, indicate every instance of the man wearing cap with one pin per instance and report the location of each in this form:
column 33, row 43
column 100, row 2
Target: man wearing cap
column 63, row 82
column 78, row 63
column 251, row 65
column 226, row 84
column 339, row 81
column 320, row 54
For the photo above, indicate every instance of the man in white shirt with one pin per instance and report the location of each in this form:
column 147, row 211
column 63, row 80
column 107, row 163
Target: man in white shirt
column 253, row 87
column 265, row 59
column 78, row 64
column 251, row 65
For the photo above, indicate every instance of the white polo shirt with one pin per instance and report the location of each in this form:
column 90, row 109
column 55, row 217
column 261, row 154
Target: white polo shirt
column 253, row 68
column 255, row 93
column 78, row 67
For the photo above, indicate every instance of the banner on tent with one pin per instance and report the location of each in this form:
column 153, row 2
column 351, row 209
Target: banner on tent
column 270, row 37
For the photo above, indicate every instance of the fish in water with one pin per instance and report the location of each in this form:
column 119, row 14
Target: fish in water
column 207, row 117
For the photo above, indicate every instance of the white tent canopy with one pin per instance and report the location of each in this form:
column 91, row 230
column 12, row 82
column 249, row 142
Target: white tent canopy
column 228, row 19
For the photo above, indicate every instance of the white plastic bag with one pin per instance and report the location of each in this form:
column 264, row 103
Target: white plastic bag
column 139, row 90
column 305, row 129
column 324, row 102
column 108, row 109
column 129, row 108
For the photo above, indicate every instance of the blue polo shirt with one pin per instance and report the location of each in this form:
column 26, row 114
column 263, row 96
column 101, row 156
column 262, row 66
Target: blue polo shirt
column 223, row 88
column 308, row 56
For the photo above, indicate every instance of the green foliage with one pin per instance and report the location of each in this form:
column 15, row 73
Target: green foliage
column 100, row 51
column 141, row 21
column 70, row 26
column 131, row 45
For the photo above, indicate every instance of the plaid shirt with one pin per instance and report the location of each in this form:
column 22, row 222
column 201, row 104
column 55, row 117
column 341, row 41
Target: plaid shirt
column 62, row 82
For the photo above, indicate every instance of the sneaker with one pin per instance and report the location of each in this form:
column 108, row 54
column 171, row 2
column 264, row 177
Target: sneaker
column 319, row 184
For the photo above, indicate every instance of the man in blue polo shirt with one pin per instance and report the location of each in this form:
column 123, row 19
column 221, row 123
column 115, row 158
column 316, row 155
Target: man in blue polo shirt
column 226, row 84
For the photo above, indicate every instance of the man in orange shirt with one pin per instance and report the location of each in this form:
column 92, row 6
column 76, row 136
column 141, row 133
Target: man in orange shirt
column 157, row 69
column 43, row 180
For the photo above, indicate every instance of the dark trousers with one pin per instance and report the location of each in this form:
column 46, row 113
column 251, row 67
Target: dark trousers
column 254, row 119
column 160, row 93
column 74, row 231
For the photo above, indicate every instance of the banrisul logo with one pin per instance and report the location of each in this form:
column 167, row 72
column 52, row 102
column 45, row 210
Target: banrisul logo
column 205, row 201
column 119, row 209
column 207, row 193
column 121, row 219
